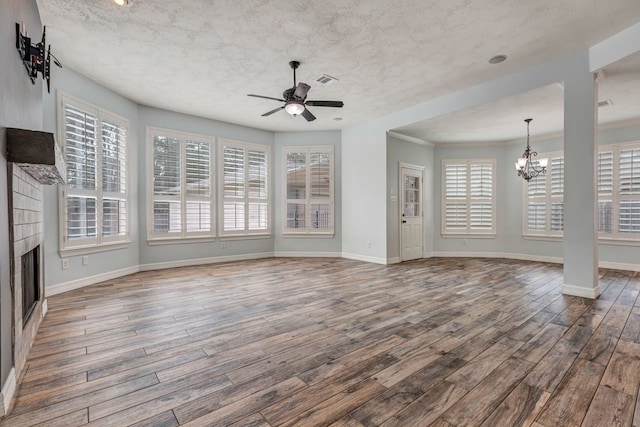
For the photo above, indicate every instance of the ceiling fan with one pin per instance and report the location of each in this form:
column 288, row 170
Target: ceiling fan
column 294, row 99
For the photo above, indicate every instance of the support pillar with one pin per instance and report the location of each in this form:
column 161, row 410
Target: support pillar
column 580, row 193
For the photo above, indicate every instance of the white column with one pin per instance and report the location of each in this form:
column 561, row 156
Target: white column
column 580, row 193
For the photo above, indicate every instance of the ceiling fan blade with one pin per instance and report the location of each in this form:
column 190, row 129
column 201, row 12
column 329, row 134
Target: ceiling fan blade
column 265, row 97
column 337, row 104
column 275, row 110
column 307, row 115
column 301, row 90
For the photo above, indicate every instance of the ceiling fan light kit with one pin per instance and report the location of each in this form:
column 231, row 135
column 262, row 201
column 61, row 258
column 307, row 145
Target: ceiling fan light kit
column 294, row 99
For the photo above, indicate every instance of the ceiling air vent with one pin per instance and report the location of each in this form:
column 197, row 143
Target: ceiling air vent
column 605, row 103
column 326, row 79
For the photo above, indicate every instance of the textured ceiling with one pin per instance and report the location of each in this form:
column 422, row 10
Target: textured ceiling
column 202, row 57
column 503, row 120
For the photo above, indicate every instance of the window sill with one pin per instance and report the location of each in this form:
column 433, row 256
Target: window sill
column 308, row 235
column 244, row 237
column 547, row 237
column 601, row 240
column 468, row 235
column 157, row 241
column 83, row 250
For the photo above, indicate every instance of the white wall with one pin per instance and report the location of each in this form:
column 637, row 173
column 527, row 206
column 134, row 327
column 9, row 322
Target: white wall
column 318, row 244
column 364, row 183
column 171, row 253
column 72, row 83
column 510, row 202
column 21, row 107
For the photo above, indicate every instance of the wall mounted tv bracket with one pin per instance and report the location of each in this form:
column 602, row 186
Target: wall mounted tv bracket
column 34, row 58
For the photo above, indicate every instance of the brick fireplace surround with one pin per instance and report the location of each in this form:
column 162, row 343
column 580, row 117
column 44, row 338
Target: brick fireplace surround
column 25, row 234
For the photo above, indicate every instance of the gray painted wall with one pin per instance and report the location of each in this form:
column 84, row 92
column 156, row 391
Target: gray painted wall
column 302, row 244
column 415, row 154
column 20, row 106
column 74, row 84
column 150, row 254
column 510, row 203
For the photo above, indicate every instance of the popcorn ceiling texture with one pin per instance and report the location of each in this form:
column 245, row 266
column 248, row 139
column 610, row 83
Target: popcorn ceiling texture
column 203, row 57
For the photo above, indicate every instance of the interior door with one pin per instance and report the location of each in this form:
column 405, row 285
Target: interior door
column 411, row 235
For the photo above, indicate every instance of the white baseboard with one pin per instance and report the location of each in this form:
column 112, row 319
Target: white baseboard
column 522, row 257
column 619, row 266
column 86, row 281
column 203, row 261
column 91, row 280
column 45, row 307
column 364, row 258
column 308, row 255
column 580, row 291
column 7, row 392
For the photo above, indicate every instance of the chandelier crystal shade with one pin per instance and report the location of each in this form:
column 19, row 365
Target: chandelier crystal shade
column 526, row 166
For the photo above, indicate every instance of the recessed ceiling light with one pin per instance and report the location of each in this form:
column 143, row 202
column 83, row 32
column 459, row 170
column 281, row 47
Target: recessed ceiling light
column 123, row 2
column 337, row 119
column 498, row 59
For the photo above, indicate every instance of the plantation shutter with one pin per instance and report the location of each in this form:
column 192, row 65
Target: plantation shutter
column 114, row 164
column 468, row 196
column 81, row 129
column 198, row 186
column 94, row 201
column 296, row 190
column 605, row 191
column 309, row 190
column 321, row 192
column 257, row 200
column 481, row 193
column 456, row 196
column 233, row 188
column 245, row 189
column 556, row 213
column 629, row 189
column 167, row 206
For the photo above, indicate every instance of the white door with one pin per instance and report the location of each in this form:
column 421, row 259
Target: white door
column 411, row 237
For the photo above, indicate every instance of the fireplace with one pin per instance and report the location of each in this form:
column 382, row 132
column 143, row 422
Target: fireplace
column 30, row 282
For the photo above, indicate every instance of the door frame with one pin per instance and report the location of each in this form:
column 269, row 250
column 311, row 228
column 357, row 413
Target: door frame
column 403, row 165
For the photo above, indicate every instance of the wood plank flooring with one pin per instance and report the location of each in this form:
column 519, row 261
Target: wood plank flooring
column 333, row 342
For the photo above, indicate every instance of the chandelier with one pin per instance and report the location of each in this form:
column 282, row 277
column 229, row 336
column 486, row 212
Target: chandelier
column 525, row 165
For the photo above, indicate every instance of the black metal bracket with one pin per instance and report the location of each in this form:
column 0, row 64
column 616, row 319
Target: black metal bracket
column 36, row 57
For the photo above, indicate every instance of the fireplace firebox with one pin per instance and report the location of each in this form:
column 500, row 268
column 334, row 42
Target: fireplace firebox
column 30, row 282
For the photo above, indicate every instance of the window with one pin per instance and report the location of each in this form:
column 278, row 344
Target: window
column 244, row 188
column 618, row 188
column 468, row 197
column 308, row 185
column 181, row 203
column 94, row 202
column 544, row 208
column 619, row 192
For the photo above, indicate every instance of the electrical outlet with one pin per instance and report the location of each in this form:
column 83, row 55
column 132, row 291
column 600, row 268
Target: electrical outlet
column 464, row 242
column 65, row 263
column 85, row 260
column 223, row 245
column 369, row 244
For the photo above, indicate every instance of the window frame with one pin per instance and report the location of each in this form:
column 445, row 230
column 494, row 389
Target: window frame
column 246, row 233
column 100, row 243
column 468, row 200
column 308, row 200
column 154, row 238
column 548, row 198
column 603, row 237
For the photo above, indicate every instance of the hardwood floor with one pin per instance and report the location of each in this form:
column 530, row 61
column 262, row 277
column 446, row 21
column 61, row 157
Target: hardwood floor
column 333, row 342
